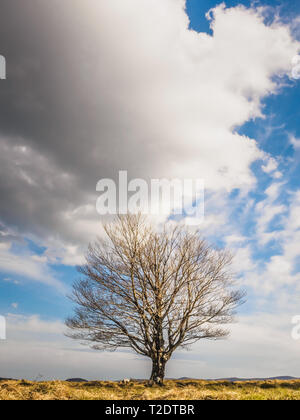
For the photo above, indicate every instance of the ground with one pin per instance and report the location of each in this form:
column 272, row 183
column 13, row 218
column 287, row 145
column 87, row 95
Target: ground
column 173, row 389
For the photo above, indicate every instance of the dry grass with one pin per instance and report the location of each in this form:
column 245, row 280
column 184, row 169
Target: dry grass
column 175, row 389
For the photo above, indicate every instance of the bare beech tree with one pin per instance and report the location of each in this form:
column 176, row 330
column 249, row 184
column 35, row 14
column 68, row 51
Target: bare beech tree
column 152, row 292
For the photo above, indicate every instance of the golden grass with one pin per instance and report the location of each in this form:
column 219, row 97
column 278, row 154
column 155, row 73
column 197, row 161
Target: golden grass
column 172, row 390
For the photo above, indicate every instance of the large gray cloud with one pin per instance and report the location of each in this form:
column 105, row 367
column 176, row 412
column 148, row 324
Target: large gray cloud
column 95, row 87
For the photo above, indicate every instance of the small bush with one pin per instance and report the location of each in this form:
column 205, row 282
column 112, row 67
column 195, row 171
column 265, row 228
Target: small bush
column 269, row 385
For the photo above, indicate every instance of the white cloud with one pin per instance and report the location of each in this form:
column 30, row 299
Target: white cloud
column 281, row 270
column 259, row 345
column 37, row 347
column 270, row 166
column 296, row 27
column 277, row 175
column 278, row 273
column 27, row 266
column 243, row 262
column 266, row 211
column 295, row 142
column 9, row 280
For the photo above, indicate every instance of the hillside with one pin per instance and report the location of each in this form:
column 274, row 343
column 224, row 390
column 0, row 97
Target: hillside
column 173, row 389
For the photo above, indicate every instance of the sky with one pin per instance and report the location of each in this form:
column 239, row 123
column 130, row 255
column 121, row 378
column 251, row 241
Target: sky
column 160, row 88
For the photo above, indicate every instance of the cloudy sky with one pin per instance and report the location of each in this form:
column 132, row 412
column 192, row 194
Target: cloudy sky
column 160, row 88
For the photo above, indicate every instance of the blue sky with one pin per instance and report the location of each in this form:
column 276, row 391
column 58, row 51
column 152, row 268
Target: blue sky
column 256, row 216
column 273, row 134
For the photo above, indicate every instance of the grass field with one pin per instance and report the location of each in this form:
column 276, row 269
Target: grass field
column 173, row 389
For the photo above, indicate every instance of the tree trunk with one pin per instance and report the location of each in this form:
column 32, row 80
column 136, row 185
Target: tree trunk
column 158, row 371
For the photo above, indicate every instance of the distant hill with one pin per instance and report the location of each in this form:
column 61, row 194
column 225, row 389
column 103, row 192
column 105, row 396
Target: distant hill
column 76, row 380
column 234, row 379
column 278, row 378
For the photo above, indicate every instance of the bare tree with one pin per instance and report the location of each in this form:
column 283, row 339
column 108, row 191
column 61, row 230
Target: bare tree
column 152, row 292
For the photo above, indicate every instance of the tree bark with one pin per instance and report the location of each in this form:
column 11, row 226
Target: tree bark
column 158, row 371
